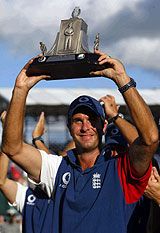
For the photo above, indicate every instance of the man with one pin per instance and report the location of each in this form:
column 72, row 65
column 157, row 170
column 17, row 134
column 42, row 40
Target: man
column 34, row 205
column 147, row 212
column 92, row 192
column 153, row 192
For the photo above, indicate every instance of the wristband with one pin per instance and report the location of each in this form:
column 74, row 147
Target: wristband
column 130, row 84
column 39, row 138
column 113, row 119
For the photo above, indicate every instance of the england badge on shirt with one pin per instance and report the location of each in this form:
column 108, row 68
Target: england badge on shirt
column 96, row 181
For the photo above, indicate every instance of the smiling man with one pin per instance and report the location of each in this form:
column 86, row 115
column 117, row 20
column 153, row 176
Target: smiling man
column 86, row 122
column 92, row 191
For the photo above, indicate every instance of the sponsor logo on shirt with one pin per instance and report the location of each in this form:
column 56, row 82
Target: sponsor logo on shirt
column 96, row 181
column 65, row 179
column 31, row 200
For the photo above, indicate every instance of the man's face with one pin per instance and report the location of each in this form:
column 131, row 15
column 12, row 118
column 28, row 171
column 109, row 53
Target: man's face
column 85, row 128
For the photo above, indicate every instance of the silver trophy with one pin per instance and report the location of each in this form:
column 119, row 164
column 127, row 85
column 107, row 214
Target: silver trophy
column 69, row 57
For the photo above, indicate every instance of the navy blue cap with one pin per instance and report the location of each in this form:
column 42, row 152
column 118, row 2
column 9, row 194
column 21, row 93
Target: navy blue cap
column 86, row 101
column 113, row 136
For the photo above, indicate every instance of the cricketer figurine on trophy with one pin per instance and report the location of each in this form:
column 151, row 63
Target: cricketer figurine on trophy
column 69, row 57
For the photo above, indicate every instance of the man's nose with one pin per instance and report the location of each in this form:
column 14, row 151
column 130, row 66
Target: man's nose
column 86, row 125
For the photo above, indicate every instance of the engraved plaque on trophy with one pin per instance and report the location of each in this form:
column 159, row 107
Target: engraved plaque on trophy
column 69, row 57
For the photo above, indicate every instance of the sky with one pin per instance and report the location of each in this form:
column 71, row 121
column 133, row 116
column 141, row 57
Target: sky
column 129, row 30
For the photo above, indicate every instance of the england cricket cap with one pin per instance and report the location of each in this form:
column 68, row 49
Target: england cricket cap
column 86, row 101
column 114, row 137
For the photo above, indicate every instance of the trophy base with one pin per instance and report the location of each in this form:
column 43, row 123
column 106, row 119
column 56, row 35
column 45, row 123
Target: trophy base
column 66, row 66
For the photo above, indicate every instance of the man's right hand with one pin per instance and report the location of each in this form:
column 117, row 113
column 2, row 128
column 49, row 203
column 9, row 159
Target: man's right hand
column 25, row 82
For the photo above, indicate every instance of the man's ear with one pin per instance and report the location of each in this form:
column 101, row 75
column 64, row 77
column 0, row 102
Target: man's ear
column 105, row 126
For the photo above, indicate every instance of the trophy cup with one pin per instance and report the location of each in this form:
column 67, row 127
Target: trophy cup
column 69, row 57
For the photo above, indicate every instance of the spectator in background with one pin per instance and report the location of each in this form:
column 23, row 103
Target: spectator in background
column 153, row 192
column 153, row 188
column 34, row 205
column 9, row 226
column 147, row 214
column 115, row 140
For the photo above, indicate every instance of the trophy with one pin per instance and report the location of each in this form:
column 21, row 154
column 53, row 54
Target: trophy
column 69, row 57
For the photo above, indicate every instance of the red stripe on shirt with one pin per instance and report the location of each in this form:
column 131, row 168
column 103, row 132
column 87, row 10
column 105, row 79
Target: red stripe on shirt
column 133, row 187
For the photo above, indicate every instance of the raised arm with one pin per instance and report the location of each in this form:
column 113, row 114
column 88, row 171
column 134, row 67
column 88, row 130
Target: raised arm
column 7, row 186
column 143, row 148
column 25, row 155
column 127, row 129
column 38, row 132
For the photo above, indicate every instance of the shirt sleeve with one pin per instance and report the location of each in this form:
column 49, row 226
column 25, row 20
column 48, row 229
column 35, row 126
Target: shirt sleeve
column 20, row 197
column 133, row 187
column 50, row 165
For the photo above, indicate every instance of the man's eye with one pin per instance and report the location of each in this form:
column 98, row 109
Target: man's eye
column 77, row 120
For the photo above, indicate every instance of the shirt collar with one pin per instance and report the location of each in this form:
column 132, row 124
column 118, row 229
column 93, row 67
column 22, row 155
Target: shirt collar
column 104, row 155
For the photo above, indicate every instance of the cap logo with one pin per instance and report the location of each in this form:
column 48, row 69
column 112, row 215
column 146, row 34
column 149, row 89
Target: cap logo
column 114, row 131
column 83, row 99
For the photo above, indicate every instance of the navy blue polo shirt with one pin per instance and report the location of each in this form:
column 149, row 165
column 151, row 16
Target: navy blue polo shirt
column 100, row 199
column 37, row 212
